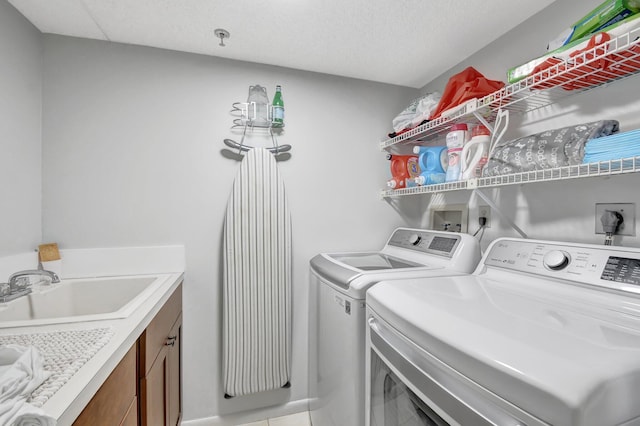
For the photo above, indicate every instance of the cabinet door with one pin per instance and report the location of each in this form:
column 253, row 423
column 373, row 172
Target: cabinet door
column 154, row 338
column 153, row 392
column 174, row 363
column 160, row 362
column 110, row 405
column 161, row 388
column 131, row 419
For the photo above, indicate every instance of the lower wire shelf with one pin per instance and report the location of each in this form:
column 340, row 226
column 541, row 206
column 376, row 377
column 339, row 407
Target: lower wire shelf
column 599, row 169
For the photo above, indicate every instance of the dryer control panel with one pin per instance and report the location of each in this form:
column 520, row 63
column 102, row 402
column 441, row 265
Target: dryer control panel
column 431, row 242
column 605, row 266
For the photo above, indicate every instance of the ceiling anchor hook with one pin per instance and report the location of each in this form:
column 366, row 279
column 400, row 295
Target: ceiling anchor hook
column 222, row 34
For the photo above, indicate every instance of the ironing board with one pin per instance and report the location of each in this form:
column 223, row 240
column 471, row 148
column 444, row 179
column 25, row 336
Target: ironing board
column 257, row 279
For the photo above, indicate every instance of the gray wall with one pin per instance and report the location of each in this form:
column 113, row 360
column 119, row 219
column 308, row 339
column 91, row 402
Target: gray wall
column 20, row 129
column 553, row 210
column 132, row 148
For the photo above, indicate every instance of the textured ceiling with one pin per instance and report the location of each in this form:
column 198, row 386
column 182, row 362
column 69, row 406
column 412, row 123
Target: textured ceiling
column 403, row 42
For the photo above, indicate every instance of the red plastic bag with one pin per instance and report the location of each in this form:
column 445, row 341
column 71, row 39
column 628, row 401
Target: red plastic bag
column 468, row 84
column 581, row 74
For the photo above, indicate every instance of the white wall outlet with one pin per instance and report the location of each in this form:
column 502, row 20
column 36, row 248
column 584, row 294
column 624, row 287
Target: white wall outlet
column 449, row 217
column 485, row 211
column 628, row 212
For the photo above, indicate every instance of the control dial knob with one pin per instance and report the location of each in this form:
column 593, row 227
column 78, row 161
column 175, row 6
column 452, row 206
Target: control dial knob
column 415, row 239
column 556, row 260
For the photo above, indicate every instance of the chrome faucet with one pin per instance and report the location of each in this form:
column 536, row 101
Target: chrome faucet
column 18, row 285
column 13, row 279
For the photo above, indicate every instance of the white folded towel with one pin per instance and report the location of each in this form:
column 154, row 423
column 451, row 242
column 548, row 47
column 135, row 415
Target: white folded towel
column 22, row 374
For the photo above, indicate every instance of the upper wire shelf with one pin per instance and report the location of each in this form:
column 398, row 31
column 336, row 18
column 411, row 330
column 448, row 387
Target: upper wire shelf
column 612, row 60
column 602, row 168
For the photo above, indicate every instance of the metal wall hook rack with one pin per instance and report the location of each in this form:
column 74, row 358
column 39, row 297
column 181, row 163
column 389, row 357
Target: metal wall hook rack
column 244, row 148
column 251, row 114
column 256, row 115
column 248, row 119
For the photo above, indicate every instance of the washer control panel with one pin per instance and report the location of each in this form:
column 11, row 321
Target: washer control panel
column 623, row 270
column 431, row 242
column 605, row 266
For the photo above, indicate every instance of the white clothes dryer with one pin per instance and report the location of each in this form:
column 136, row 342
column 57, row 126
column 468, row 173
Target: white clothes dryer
column 542, row 333
column 338, row 284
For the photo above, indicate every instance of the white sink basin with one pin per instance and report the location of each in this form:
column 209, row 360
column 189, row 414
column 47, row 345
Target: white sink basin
column 78, row 300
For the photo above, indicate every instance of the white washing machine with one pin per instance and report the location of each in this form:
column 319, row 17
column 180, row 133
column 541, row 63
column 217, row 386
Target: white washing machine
column 542, row 333
column 337, row 311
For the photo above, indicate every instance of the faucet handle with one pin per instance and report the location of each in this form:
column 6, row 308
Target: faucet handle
column 18, row 283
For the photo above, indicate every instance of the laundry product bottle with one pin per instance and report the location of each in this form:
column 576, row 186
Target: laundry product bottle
column 456, row 138
column 433, row 164
column 475, row 153
column 403, row 168
column 278, row 108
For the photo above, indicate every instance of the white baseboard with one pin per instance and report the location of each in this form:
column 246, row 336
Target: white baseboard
column 291, row 407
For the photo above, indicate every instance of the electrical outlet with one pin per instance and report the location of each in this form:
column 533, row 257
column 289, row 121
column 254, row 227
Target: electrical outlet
column 485, row 211
column 628, row 212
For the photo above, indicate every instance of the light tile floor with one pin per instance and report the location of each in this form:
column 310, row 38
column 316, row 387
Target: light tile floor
column 298, row 419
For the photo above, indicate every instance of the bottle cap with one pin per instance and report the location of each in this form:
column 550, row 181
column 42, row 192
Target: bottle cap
column 459, row 126
column 391, row 183
column 416, row 150
column 480, row 130
column 420, row 180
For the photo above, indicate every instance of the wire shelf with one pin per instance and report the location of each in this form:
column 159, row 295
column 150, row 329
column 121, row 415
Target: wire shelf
column 427, row 189
column 602, row 168
column 593, row 67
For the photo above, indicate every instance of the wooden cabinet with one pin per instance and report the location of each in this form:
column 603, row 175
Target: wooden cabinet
column 160, row 359
column 145, row 388
column 174, row 364
column 115, row 401
column 131, row 419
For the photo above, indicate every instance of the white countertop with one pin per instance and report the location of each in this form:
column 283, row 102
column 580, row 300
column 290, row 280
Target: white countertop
column 69, row 401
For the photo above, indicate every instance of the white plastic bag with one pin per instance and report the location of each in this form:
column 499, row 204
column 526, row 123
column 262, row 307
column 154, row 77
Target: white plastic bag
column 419, row 110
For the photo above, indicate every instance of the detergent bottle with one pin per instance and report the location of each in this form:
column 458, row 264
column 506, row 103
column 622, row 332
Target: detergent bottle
column 456, row 138
column 403, row 168
column 433, row 164
column 475, row 153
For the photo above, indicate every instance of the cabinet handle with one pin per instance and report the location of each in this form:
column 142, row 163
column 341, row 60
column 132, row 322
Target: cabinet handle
column 171, row 340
